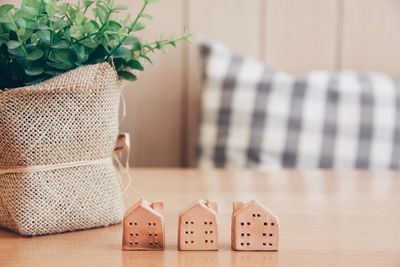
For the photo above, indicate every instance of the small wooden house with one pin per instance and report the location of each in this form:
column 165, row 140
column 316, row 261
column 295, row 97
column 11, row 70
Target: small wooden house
column 254, row 227
column 143, row 227
column 198, row 229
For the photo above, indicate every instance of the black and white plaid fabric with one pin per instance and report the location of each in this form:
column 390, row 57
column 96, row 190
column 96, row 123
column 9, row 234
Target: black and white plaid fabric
column 253, row 116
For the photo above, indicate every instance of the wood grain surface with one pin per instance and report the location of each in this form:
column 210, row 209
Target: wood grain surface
column 326, row 219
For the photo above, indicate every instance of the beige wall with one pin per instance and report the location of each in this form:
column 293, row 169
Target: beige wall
column 292, row 35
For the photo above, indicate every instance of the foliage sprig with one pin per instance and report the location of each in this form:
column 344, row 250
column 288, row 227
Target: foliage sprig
column 43, row 38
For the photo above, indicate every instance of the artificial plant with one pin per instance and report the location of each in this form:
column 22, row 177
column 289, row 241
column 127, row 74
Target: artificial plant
column 43, row 38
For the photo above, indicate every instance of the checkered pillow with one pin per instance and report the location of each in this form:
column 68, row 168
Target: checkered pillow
column 253, row 116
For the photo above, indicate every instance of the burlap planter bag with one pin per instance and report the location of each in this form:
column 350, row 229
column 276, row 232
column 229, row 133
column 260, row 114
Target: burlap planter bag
column 57, row 140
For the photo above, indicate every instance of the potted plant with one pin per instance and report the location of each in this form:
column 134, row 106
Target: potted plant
column 60, row 67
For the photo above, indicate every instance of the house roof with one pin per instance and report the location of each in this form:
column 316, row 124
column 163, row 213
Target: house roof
column 201, row 203
column 142, row 203
column 251, row 204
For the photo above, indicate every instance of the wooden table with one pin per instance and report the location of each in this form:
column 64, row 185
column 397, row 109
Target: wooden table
column 327, row 219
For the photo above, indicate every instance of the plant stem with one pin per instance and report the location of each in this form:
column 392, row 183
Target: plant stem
column 51, row 41
column 95, row 33
column 156, row 44
column 129, row 30
column 19, row 40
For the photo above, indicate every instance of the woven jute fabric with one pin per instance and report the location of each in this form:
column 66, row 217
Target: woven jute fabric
column 73, row 117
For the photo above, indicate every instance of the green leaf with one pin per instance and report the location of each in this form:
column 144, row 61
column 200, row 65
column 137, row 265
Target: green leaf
column 43, row 20
column 81, row 52
column 44, row 35
column 151, row 1
column 120, row 7
column 97, row 55
column 31, row 24
column 147, row 58
column 113, row 26
column 5, row 8
column 101, row 13
column 173, row 43
column 60, row 44
column 113, row 43
column 31, row 10
column 95, row 24
column 5, row 20
column 147, row 16
column 20, row 32
column 63, row 8
column 65, row 56
column 27, row 34
column 4, row 37
column 52, row 73
column 134, row 64
column 34, row 71
column 59, row 24
column 127, row 75
column 130, row 40
column 89, row 27
column 35, row 54
column 138, row 27
column 50, row 7
column 13, row 44
column 59, row 66
column 21, row 23
column 122, row 52
column 76, row 32
column 87, row 3
column 43, row 27
column 137, row 46
column 119, row 63
column 149, row 47
column 16, row 52
column 106, row 4
column 89, row 43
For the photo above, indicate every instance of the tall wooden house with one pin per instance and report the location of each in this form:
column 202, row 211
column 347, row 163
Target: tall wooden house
column 198, row 229
column 254, row 227
column 143, row 226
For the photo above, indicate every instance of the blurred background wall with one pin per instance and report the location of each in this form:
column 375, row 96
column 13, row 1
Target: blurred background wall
column 292, row 35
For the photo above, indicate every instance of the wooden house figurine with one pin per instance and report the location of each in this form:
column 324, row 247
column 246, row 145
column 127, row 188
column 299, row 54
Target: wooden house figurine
column 254, row 227
column 198, row 229
column 143, row 227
